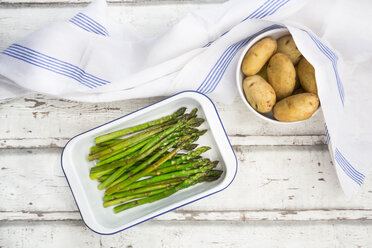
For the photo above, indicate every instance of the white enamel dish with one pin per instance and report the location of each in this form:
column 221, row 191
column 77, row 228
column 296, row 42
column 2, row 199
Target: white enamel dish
column 269, row 117
column 89, row 199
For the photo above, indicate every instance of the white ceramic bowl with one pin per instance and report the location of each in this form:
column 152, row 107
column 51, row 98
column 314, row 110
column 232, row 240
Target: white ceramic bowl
column 89, row 199
column 269, row 117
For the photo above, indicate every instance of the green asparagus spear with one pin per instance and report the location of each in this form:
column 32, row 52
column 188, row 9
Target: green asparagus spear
column 102, row 178
column 180, row 124
column 121, row 170
column 108, row 143
column 98, row 171
column 145, row 163
column 192, row 113
column 155, row 181
column 103, row 146
column 187, row 183
column 198, row 122
column 147, row 170
column 125, row 143
column 180, row 167
column 207, row 176
column 148, row 188
column 151, row 146
column 139, row 127
column 122, row 154
column 133, row 178
column 141, row 166
column 131, row 197
column 128, row 142
column 212, row 175
column 95, row 149
column 107, row 169
column 176, row 178
column 186, row 157
column 189, row 147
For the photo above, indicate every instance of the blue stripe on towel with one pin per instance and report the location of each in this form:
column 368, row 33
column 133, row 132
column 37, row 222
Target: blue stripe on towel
column 55, row 65
column 260, row 9
column 272, row 9
column 214, row 76
column 213, row 81
column 333, row 58
column 349, row 170
column 266, row 9
column 88, row 24
column 60, row 63
column 281, row 4
column 328, row 137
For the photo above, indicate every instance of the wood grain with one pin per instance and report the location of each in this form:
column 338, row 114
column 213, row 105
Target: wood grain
column 213, row 216
column 235, row 140
column 190, row 234
column 269, row 178
column 52, row 122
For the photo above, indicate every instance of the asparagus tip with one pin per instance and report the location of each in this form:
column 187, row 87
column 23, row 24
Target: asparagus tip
column 193, row 111
column 180, row 111
column 202, row 132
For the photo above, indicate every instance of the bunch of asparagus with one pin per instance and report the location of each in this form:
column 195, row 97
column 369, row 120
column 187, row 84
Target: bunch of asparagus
column 144, row 163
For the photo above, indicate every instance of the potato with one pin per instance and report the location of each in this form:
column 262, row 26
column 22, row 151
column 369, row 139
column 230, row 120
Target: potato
column 263, row 72
column 287, row 46
column 298, row 91
column 297, row 84
column 282, row 75
column 306, row 74
column 258, row 55
column 259, row 93
column 296, row 108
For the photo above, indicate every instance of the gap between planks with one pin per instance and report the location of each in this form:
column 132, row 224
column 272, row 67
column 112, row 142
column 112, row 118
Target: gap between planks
column 236, row 140
column 233, row 215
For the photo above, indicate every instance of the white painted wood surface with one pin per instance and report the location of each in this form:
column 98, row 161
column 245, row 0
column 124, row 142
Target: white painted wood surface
column 286, row 193
column 191, row 234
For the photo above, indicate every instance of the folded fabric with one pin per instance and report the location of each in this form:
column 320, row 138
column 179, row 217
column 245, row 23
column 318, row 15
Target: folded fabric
column 91, row 58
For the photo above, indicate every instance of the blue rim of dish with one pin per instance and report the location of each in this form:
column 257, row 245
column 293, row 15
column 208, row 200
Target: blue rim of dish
column 223, row 128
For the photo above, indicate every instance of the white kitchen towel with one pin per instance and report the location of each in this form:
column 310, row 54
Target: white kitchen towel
column 91, row 58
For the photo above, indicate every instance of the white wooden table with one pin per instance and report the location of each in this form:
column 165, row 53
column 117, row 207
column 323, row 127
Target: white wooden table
column 286, row 193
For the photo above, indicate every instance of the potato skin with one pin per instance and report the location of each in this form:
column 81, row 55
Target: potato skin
column 282, row 75
column 296, row 108
column 306, row 75
column 297, row 84
column 298, row 91
column 263, row 72
column 287, row 46
column 259, row 93
column 258, row 55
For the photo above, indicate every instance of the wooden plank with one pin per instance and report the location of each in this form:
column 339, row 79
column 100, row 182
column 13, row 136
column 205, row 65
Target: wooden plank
column 277, row 178
column 48, row 122
column 189, row 234
column 241, row 140
column 206, row 215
